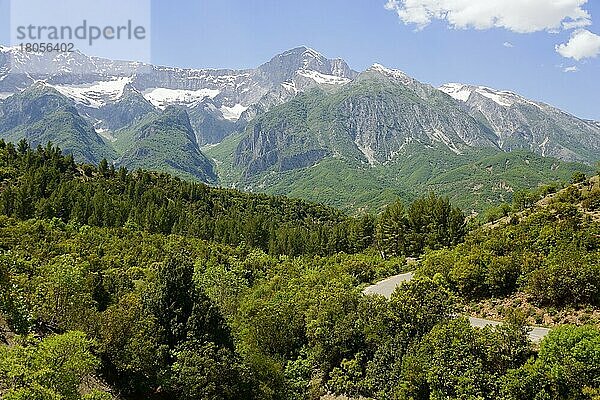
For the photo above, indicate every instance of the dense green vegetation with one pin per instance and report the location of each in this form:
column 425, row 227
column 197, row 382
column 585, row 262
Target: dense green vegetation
column 139, row 285
column 41, row 114
column 42, row 183
column 550, row 252
column 475, row 180
column 165, row 142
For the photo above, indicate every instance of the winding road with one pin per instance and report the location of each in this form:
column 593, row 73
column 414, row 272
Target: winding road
column 387, row 286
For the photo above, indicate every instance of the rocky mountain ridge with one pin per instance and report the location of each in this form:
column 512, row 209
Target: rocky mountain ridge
column 224, row 94
column 520, row 123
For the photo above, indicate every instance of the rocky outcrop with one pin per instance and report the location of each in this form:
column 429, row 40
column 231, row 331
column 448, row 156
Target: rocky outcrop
column 522, row 124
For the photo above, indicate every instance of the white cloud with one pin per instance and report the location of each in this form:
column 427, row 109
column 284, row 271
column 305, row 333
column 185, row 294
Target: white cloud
column 508, row 44
column 571, row 69
column 583, row 44
column 576, row 24
column 521, row 16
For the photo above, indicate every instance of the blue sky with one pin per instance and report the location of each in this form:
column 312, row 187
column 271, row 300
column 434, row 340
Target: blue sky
column 450, row 45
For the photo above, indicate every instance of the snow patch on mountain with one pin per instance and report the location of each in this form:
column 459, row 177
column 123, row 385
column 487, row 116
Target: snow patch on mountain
column 95, row 94
column 457, row 91
column 163, row 97
column 503, row 98
column 323, row 78
column 233, row 113
column 290, row 86
column 496, row 97
column 392, row 73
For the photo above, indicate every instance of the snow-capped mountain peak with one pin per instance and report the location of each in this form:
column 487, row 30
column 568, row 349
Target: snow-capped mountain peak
column 96, row 94
column 390, row 73
column 520, row 123
column 312, row 54
column 503, row 98
column 285, row 66
column 457, row 91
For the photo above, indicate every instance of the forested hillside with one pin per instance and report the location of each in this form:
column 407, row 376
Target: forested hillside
column 543, row 257
column 137, row 285
column 42, row 183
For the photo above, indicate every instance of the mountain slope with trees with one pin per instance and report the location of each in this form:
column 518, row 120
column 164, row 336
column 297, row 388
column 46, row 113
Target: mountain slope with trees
column 543, row 257
column 138, row 285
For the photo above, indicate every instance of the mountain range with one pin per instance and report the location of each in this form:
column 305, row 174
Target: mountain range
column 300, row 125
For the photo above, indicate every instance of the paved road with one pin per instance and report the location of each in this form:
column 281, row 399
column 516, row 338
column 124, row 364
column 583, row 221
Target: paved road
column 387, row 286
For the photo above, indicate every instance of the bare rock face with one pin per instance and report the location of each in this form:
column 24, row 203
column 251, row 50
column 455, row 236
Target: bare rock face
column 225, row 95
column 369, row 120
column 522, row 124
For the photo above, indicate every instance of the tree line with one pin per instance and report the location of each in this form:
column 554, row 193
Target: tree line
column 44, row 183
